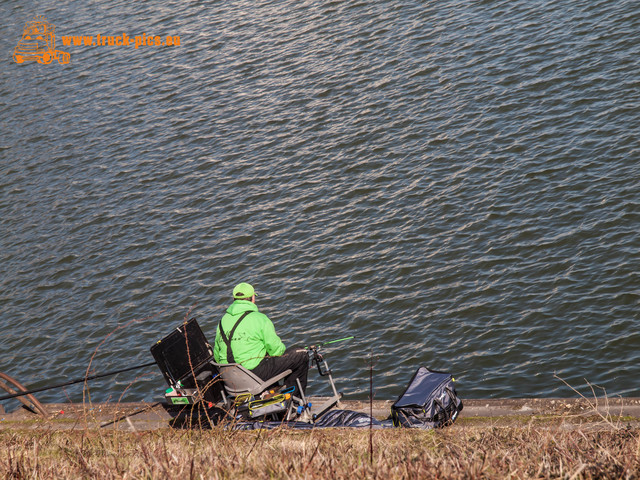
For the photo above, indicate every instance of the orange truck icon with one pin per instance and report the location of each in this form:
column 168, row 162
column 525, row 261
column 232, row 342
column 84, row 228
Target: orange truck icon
column 38, row 43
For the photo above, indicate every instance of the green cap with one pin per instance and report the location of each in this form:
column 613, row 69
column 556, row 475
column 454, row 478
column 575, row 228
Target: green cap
column 243, row 290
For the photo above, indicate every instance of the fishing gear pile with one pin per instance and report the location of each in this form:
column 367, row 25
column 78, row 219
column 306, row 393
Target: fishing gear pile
column 204, row 393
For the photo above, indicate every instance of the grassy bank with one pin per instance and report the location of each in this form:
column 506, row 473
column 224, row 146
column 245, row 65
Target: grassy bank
column 461, row 451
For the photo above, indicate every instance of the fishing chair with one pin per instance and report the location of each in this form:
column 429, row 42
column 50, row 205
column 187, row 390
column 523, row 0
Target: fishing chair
column 186, row 361
column 238, row 380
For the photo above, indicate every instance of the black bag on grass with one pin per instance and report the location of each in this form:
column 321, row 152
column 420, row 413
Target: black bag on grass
column 429, row 401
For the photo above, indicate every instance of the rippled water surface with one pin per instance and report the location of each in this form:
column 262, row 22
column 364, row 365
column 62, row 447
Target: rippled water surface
column 454, row 183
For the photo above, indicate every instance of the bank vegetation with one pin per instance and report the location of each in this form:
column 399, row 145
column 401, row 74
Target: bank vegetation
column 545, row 450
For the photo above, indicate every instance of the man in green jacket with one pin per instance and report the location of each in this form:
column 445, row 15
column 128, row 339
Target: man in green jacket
column 248, row 337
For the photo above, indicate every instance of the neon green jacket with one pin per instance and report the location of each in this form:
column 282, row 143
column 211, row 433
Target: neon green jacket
column 253, row 339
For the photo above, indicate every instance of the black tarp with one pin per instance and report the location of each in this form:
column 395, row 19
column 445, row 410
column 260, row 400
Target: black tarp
column 331, row 419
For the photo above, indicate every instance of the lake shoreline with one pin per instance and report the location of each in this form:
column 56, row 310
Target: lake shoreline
column 143, row 416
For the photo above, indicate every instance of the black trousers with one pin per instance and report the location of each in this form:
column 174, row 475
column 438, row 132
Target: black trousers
column 297, row 361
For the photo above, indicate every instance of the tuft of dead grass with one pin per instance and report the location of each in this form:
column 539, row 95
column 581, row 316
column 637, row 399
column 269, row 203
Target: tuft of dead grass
column 456, row 452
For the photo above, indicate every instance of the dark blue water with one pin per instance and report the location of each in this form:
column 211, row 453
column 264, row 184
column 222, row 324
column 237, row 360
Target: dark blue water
column 454, row 183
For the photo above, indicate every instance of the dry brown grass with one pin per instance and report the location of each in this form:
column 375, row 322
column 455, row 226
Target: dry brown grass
column 456, row 452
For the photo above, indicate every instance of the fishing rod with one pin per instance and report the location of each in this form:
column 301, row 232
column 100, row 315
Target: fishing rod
column 72, row 382
column 329, row 342
column 313, row 348
column 316, row 357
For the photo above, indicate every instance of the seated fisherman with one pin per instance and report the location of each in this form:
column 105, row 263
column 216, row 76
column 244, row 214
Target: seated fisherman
column 248, row 337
